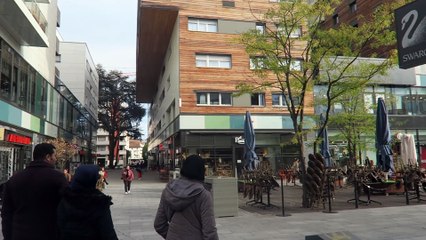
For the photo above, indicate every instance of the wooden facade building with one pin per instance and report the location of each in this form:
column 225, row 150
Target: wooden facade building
column 188, row 65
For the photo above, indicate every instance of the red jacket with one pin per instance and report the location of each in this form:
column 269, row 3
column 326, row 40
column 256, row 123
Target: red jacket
column 127, row 175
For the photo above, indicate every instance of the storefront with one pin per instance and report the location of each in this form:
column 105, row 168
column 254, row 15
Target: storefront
column 224, row 152
column 15, row 152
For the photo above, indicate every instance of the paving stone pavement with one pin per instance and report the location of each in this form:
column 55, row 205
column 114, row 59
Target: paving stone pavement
column 133, row 217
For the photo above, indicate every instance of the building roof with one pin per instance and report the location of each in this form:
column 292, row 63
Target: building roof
column 135, row 144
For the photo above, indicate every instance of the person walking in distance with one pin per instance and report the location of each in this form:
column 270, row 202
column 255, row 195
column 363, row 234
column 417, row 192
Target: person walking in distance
column 139, row 170
column 127, row 176
column 31, row 198
column 84, row 211
column 186, row 207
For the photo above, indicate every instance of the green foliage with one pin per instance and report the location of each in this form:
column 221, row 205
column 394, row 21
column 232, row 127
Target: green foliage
column 118, row 110
column 276, row 51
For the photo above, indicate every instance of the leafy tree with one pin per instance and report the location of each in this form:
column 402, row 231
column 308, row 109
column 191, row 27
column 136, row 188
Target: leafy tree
column 277, row 51
column 65, row 151
column 145, row 152
column 119, row 113
column 352, row 122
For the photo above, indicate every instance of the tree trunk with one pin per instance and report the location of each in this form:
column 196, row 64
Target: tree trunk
column 111, row 147
column 305, row 199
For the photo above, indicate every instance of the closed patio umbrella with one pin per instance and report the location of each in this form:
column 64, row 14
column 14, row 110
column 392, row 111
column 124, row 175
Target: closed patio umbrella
column 324, row 145
column 383, row 138
column 250, row 156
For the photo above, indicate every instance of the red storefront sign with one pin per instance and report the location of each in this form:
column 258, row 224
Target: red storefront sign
column 19, row 139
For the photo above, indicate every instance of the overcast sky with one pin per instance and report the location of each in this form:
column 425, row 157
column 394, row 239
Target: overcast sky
column 109, row 29
column 107, row 26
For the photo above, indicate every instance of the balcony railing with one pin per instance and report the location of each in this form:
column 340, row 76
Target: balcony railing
column 37, row 14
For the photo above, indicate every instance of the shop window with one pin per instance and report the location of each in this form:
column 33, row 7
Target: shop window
column 219, row 161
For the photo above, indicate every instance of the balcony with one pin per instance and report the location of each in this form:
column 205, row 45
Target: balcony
column 24, row 21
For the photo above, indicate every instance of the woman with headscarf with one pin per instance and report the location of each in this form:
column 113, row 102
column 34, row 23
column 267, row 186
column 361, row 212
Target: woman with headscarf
column 186, row 207
column 84, row 211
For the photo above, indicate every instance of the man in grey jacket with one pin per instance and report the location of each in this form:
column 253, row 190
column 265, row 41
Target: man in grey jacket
column 186, row 207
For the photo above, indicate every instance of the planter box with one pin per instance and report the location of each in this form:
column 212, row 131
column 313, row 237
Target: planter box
column 225, row 195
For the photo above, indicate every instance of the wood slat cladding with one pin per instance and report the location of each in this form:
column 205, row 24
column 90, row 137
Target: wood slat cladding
column 365, row 8
column 193, row 79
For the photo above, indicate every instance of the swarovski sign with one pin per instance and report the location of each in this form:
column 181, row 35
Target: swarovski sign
column 410, row 21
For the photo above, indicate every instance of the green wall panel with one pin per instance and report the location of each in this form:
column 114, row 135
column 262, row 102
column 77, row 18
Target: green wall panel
column 237, row 122
column 4, row 108
column 14, row 116
column 217, row 122
column 35, row 124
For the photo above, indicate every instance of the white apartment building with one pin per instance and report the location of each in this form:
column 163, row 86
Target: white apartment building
column 135, row 148
column 78, row 73
column 102, row 148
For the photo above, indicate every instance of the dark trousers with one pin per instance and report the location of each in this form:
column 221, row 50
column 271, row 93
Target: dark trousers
column 127, row 185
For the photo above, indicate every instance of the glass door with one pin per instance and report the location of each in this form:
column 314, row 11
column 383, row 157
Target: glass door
column 6, row 163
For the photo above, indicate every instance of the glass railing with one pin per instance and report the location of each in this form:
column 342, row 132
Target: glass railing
column 32, row 5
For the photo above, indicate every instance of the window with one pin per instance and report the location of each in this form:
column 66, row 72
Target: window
column 296, row 33
column 228, row 3
column 258, row 99
column 260, row 27
column 214, row 98
column 213, row 61
column 336, row 19
column 257, row 63
column 295, row 65
column 202, row 25
column 353, row 7
column 102, row 148
column 162, row 96
column 278, row 99
column 102, row 139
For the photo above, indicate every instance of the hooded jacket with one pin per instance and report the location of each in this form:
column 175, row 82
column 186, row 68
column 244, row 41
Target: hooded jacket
column 186, row 212
column 84, row 212
column 85, row 216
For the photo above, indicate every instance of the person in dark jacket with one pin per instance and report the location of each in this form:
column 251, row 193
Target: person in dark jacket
column 84, row 211
column 31, row 197
column 186, row 207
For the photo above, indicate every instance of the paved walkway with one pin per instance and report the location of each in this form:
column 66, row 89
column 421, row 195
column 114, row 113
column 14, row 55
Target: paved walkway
column 133, row 217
